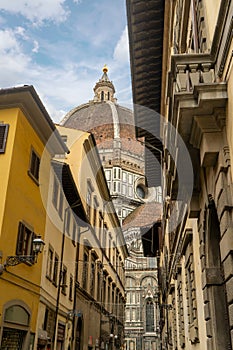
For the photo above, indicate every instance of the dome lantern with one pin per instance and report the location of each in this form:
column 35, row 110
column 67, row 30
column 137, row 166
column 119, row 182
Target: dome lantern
column 104, row 89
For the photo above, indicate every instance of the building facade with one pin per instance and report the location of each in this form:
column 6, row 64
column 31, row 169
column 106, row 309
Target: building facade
column 142, row 302
column 72, row 295
column 192, row 78
column 98, row 312
column 25, row 128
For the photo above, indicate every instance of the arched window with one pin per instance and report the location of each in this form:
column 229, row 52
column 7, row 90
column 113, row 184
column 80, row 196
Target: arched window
column 108, row 95
column 102, row 95
column 149, row 316
column 17, row 314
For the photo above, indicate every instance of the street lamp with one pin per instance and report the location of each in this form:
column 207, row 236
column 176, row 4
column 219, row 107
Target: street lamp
column 13, row 260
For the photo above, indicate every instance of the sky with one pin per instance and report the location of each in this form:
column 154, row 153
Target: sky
column 61, row 46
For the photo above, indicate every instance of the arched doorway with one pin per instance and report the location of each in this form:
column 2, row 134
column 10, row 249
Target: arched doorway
column 16, row 321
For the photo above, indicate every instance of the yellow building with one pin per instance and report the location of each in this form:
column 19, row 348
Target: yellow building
column 25, row 128
column 98, row 312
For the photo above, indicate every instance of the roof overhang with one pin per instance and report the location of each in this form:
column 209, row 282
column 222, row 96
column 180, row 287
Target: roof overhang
column 26, row 98
column 146, row 30
column 145, row 26
column 64, row 175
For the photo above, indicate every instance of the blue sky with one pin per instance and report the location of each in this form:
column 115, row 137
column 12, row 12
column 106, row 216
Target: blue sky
column 60, row 47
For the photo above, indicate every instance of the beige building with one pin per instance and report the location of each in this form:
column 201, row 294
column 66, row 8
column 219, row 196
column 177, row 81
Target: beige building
column 65, row 222
column 187, row 76
column 98, row 309
column 142, row 315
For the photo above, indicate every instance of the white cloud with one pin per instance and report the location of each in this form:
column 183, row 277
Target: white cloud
column 7, row 41
column 121, row 51
column 37, row 11
column 62, row 80
column 36, row 46
column 21, row 32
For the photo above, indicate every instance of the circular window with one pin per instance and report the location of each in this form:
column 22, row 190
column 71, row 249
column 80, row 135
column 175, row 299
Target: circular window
column 140, row 191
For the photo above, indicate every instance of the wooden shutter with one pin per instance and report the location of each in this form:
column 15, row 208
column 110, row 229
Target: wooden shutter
column 19, row 247
column 3, row 136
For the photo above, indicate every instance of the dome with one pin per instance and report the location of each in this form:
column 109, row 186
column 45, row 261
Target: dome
column 121, row 154
column 111, row 124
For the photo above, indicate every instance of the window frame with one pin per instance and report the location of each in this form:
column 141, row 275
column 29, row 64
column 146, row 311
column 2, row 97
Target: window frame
column 34, row 173
column 49, row 268
column 55, row 270
column 4, row 137
column 23, row 231
column 64, row 280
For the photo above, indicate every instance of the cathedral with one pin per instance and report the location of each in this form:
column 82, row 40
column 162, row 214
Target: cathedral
column 137, row 205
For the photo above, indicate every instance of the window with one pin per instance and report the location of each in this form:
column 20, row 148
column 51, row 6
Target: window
column 34, row 166
column 55, row 193
column 85, row 268
column 71, row 287
column 55, row 270
column 102, row 95
column 99, row 286
column 109, row 248
column 116, row 173
column 88, row 200
column 25, row 238
column 149, row 316
column 64, row 280
column 68, row 219
column 100, row 226
column 113, row 300
column 104, row 241
column 104, row 292
column 109, row 295
column 60, row 209
column 95, row 213
column 49, row 263
column 140, row 191
column 74, row 238
column 92, row 277
column 3, row 136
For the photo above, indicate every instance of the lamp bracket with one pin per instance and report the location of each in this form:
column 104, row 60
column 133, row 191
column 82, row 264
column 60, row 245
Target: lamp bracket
column 18, row 259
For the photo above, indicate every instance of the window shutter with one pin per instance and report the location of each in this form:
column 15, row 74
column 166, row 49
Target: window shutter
column 33, row 237
column 19, row 247
column 3, row 136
